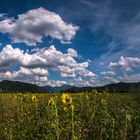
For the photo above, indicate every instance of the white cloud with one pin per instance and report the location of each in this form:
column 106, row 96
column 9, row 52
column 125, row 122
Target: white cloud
column 56, row 83
column 125, row 63
column 66, row 72
column 31, row 72
column 129, row 78
column 124, row 70
column 72, row 52
column 6, row 75
column 32, row 26
column 80, row 82
column 42, row 80
column 50, row 58
column 27, row 75
column 80, row 69
column 35, row 67
column 88, row 74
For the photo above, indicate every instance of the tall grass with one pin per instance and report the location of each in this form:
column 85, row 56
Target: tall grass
column 83, row 116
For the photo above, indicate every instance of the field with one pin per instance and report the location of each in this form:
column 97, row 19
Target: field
column 83, row 116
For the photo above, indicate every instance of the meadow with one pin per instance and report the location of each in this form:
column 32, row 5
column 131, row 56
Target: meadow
column 63, row 116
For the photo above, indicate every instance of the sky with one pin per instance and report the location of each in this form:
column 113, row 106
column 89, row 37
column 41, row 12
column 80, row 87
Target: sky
column 70, row 42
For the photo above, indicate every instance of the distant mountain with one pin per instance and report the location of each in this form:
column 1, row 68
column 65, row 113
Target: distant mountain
column 118, row 87
column 16, row 86
column 58, row 89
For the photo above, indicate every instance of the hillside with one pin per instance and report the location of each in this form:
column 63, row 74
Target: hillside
column 118, row 87
column 16, row 86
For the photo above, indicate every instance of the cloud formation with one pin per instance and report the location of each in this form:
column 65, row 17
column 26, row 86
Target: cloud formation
column 35, row 67
column 107, row 24
column 32, row 26
column 129, row 78
column 125, row 63
column 106, row 75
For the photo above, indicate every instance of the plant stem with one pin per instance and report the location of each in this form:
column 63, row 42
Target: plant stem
column 72, row 121
column 56, row 121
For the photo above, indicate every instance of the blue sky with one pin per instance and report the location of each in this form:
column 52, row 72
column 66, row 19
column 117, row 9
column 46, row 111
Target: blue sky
column 83, row 42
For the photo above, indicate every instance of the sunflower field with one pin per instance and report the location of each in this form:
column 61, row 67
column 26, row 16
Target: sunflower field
column 63, row 116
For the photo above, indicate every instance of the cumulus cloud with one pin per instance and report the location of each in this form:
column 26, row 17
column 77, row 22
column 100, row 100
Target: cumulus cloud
column 56, row 83
column 32, row 26
column 80, row 82
column 72, row 52
column 129, row 78
column 107, row 77
column 31, row 72
column 80, row 70
column 27, row 75
column 125, row 63
column 35, row 67
column 124, row 70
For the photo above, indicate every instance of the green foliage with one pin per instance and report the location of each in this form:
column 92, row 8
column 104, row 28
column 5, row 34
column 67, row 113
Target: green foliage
column 83, row 116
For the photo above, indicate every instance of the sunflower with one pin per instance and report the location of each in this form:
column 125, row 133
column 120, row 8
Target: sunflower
column 64, row 98
column 34, row 98
column 103, row 101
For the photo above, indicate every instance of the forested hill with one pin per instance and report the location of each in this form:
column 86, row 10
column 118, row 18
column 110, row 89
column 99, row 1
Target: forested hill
column 118, row 87
column 16, row 86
